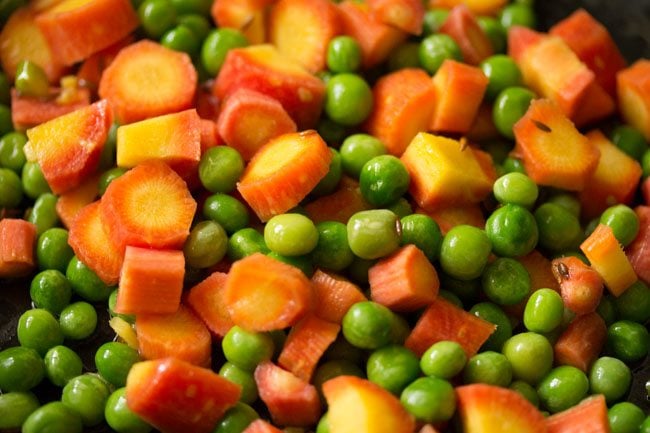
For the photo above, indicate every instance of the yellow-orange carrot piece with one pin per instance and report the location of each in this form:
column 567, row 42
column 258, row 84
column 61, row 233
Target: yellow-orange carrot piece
column 588, row 415
column 334, row 295
column 30, row 111
column 406, row 15
column 69, row 204
column 151, row 281
column 207, row 301
column 633, row 86
column 479, row 7
column 91, row 69
column 339, row 205
column 580, row 344
column 448, row 217
column 248, row 16
column 17, row 241
column 540, row 271
column 283, row 172
column 404, row 281
column 580, row 286
column 638, row 251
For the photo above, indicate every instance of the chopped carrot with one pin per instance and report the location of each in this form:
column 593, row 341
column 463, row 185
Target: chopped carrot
column 305, row 345
column 148, row 206
column 283, row 172
column 638, row 252
column 17, row 242
column 404, row 281
column 207, row 301
column 590, row 415
column 479, row 7
column 92, row 245
column 334, row 295
column 70, row 203
column 451, row 216
column 339, row 205
column 406, row 15
column 463, row 27
column 91, row 69
column 596, row 105
column 403, row 105
column 633, row 87
column 30, row 111
column 151, row 281
column 264, row 294
column 147, row 80
column 181, row 335
column 520, row 39
column 209, row 135
column 580, row 286
column 248, row 16
column 261, row 426
column 580, row 344
column 444, row 321
column 608, row 259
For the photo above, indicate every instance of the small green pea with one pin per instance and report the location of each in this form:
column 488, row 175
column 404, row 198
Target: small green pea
column 509, row 106
column 114, row 360
column 383, row 180
column 21, row 369
column 216, row 46
column 368, row 325
column 109, row 176
column 544, row 311
column 628, row 340
column 623, row 221
column 15, row 408
column 393, row 368
column 406, row 55
column 86, row 395
column 181, row 38
column 51, row 291
column 502, row 72
column 358, row 149
column 332, row 250
column 488, row 367
column 512, row 230
column 43, row 214
column 53, row 417
column 206, row 245
column 343, row 54
column 31, row 79
column 444, row 359
column 243, row 378
column 634, row 303
column 495, row 32
column 530, row 355
column 122, row 419
column 429, row 399
column 34, row 183
column 86, row 283
column 625, row 417
column 291, row 234
column 245, row 242
column 494, row 314
column 78, row 320
column 610, row 377
column 198, row 24
column 517, row 14
column 630, row 141
column 52, row 249
column 464, row 252
column 437, row 48
column 373, row 233
column 423, row 232
column 328, row 184
column 559, row 229
column 12, row 155
column 156, row 17
column 246, row 349
column 236, row 419
column 348, row 99
column 562, row 387
column 433, row 20
column 11, row 190
column 220, row 168
column 226, row 210
column 38, row 329
column 526, row 390
column 516, row 188
column 61, row 365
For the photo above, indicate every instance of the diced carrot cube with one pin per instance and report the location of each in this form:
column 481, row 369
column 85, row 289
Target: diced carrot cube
column 580, row 344
column 580, row 286
column 479, row 7
column 30, row 111
column 638, row 252
column 69, row 204
column 91, row 69
column 462, row 26
column 334, row 295
column 339, row 205
column 209, row 135
column 590, row 415
column 633, row 86
column 248, row 16
column 207, row 301
column 540, row 271
column 448, row 217
column 406, row 15
column 17, row 242
column 520, row 39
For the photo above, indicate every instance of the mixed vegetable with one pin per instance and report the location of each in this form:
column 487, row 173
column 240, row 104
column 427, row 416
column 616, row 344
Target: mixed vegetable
column 383, row 216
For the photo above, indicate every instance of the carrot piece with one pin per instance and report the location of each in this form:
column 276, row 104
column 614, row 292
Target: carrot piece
column 207, row 301
column 264, row 294
column 290, row 400
column 454, row 82
column 406, row 15
column 462, row 26
column 69, row 204
column 261, row 426
column 283, row 172
column 638, row 252
column 68, row 147
column 479, row 7
column 249, row 119
column 91, row 243
column 489, row 408
column 149, row 206
column 444, row 321
column 17, row 239
column 340, row 205
column 593, row 45
column 633, row 85
column 209, row 135
column 376, row 39
column 248, row 16
column 554, row 153
column 91, row 69
column 305, row 345
column 596, row 105
column 450, row 216
column 151, row 281
column 180, row 334
column 580, row 286
column 334, row 295
column 608, row 259
column 590, row 415
column 177, row 397
column 580, row 344
column 520, row 39
column 403, row 105
column 404, row 281
column 75, row 29
column 30, row 111
column 147, row 80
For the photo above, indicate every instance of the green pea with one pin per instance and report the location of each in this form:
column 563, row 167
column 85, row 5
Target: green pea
column 544, row 311
column 21, row 369
column 526, row 390
column 373, row 233
column 433, row 20
column 530, row 355
column 506, row 281
column 348, row 99
column 227, row 211
column 12, row 155
column 61, row 365
column 610, row 377
column 630, row 141
column 114, row 360
column 495, row 32
column 562, row 387
column 236, row 419
column 488, row 367
column 383, row 180
column 332, row 250
column 43, row 214
column 623, row 221
column 200, row 7
column 38, row 329
column 156, row 17
column 494, row 314
column 358, row 149
column 358, row 270
column 51, row 291
column 335, row 368
column 109, row 176
column 112, row 301
column 368, row 325
column 628, row 340
column 559, row 229
column 512, row 231
column 342, row 350
column 401, row 207
column 393, row 367
column 509, row 106
column 343, row 54
column 243, row 378
column 54, row 417
column 516, row 188
column 517, row 14
column 86, row 395
column 220, row 168
column 303, row 263
column 568, row 201
column 625, row 417
column 15, row 407
column 323, row 425
column 181, row 38
column 513, row 165
column 437, row 48
column 246, row 349
column 11, row 190
column 290, row 234
column 464, row 252
column 78, row 320
column 423, row 232
column 206, row 245
column 330, row 182
column 333, row 133
column 216, row 46
column 34, row 183
column 406, row 55
column 31, row 80
column 198, row 24
column 52, row 249
column 429, row 399
column 245, row 242
column 645, row 163
column 468, row 291
column 502, row 72
column 120, row 418
column 444, row 359
column 86, row 283
column 634, row 303
column 607, row 310
column 6, row 125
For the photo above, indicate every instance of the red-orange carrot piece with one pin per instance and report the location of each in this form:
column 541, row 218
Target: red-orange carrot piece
column 207, row 301
column 290, row 400
column 91, row 69
column 404, row 281
column 540, row 271
column 444, row 321
column 520, row 39
column 305, row 345
column 403, row 105
column 450, row 216
column 29, row 111
column 608, row 259
column 283, row 172
column 406, row 15
column 17, row 239
column 92, row 245
column 462, row 26
column 69, row 204
column 334, row 295
column 147, row 80
column 339, row 205
column 590, row 415
column 580, row 344
column 264, row 294
column 261, row 426
column 580, row 286
column 149, row 206
column 151, row 281
column 596, row 105
column 638, row 252
column 249, row 119
column 248, row 16
column 479, row 7
column 633, row 87
column 181, row 335
column 209, row 135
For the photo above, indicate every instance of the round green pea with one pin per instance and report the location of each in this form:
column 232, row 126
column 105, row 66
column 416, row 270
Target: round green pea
column 423, row 232
column 86, row 395
column 114, row 360
column 513, row 165
column 437, row 48
column 628, row 340
column 494, row 314
column 512, row 231
column 356, row 150
column 544, row 311
column 33, row 180
column 12, row 155
column 323, row 425
column 611, row 377
column 31, row 80
column 52, row 249
column 373, row 233
column 109, row 176
column 51, row 291
column 495, row 32
column 200, row 7
column 303, row 263
column 407, row 55
column 645, row 163
column 120, row 418
column 464, row 252
column 43, row 214
column 517, row 14
column 198, row 24
column 220, row 168
column 206, row 245
column 181, row 38
column 515, row 188
column 630, row 141
column 86, row 283
column 216, row 46
column 246, row 349
column 502, row 72
column 21, row 369
column 333, row 133
column 236, row 419
column 368, row 325
column 291, row 234
column 559, row 229
column 530, row 355
column 625, row 417
column 506, row 281
column 332, row 250
column 383, row 180
column 15, row 408
column 509, row 106
column 444, row 359
column 330, row 182
column 78, row 320
column 156, row 17
column 526, row 390
column 348, row 99
column 243, row 378
column 562, row 387
column 38, row 329
column 343, row 54
column 488, row 367
column 61, row 365
column 623, row 221
column 53, row 417
column 634, row 303
column 11, row 189
column 245, row 242
column 433, row 20
column 429, row 399
column 226, row 210
column 393, row 367
column 568, row 201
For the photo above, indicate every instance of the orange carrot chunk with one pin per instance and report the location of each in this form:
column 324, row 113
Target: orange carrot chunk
column 17, row 239
column 30, row 111
column 151, row 281
column 633, row 85
column 91, row 69
column 147, row 80
column 462, row 26
column 520, row 39
column 263, row 294
column 590, row 415
column 69, row 204
column 638, row 252
column 248, row 16
column 404, row 281
column 283, row 172
column 334, row 295
column 207, row 301
column 479, row 7
column 580, row 344
column 149, row 206
column 339, row 205
column 580, row 286
column 406, row 15
column 181, row 335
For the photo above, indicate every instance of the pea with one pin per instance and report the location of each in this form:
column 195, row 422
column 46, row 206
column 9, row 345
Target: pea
column 494, row 314
column 645, row 163
column 468, row 291
column 383, row 180
column 156, row 17
column 628, row 340
column 343, row 54
column 334, row 368
column 109, row 176
column 429, row 399
column 506, row 281
column 328, row 184
column 407, row 55
column 86, row 395
column 645, row 425
column 634, row 303
column 358, row 149
column 6, row 124
column 323, row 425
column 245, row 242
column 358, row 270
column 630, row 141
column 625, row 417
column 392, row 367
column 51, row 291
column 342, row 350
column 517, row 14
column 12, row 155
column 526, row 390
column 114, row 360
column 181, row 38
column 559, row 229
column 513, row 165
column 200, row 7
column 120, row 418
column 206, row 245
column 243, row 378
column 348, row 99
column 303, row 263
column 568, row 201
column 15, row 407
column 516, row 188
column 61, row 365
column 246, row 349
column 43, row 214
column 52, row 249
column 610, row 377
column 332, row 250
column 78, row 320
column 373, row 233
column 544, row 311
column 21, row 369
column 112, row 301
column 464, row 252
column 216, row 46
column 31, row 80
column 530, row 355
column 107, row 158
column 433, row 20
column 198, row 24
column 11, row 190
column 606, row 310
column 512, row 231
column 330, row 131
column 423, row 232
column 495, row 32
column 623, row 221
column 444, row 359
column 368, row 325
column 220, row 168
column 34, row 183
column 227, row 211
column 53, row 417
column 437, row 48
column 291, row 234
column 86, row 283
column 488, row 367
column 562, row 387
column 38, row 329
column 236, row 419
column 509, row 106
column 502, row 72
